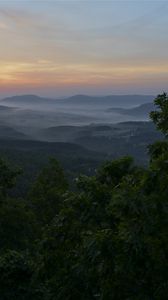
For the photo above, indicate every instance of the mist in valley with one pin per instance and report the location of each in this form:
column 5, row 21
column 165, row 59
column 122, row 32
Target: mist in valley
column 111, row 126
column 30, row 113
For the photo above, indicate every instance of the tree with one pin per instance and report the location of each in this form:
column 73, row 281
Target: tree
column 16, row 273
column 18, row 225
column 8, row 177
column 47, row 192
column 160, row 116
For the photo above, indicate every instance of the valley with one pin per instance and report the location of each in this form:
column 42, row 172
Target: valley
column 76, row 132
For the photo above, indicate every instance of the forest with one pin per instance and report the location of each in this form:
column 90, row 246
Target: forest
column 101, row 235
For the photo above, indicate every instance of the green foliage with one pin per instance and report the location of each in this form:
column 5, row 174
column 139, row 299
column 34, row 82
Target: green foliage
column 158, row 149
column 160, row 116
column 8, row 177
column 18, row 226
column 108, row 242
column 47, row 192
column 113, row 172
column 16, row 272
column 52, row 177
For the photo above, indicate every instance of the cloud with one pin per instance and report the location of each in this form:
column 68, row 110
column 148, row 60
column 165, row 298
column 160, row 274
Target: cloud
column 50, row 73
column 36, row 23
column 3, row 26
column 49, row 49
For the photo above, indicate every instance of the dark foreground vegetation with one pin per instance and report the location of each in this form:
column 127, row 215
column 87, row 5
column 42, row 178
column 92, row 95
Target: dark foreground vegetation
column 107, row 239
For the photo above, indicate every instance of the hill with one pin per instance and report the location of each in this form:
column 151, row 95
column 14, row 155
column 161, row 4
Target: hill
column 115, row 140
column 25, row 100
column 84, row 100
column 7, row 132
column 31, row 156
column 4, row 108
column 119, row 100
column 142, row 110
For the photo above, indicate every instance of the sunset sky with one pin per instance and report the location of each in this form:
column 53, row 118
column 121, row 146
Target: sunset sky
column 60, row 48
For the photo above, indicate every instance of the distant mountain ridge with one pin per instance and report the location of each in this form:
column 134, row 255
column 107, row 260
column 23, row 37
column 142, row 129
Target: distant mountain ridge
column 31, row 99
column 7, row 132
column 142, row 110
column 111, row 100
column 4, row 108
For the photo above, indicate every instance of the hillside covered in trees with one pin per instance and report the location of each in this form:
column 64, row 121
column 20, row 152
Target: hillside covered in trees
column 105, row 239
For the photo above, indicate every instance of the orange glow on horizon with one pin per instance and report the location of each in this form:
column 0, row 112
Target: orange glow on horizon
column 47, row 73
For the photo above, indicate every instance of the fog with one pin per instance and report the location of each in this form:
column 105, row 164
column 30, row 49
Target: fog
column 29, row 114
column 111, row 126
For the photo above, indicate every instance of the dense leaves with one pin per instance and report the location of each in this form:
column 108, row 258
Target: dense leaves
column 47, row 192
column 8, row 177
column 160, row 116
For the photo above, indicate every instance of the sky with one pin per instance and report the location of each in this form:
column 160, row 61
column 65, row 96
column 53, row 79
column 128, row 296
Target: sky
column 97, row 47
